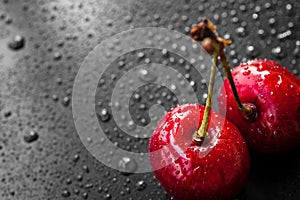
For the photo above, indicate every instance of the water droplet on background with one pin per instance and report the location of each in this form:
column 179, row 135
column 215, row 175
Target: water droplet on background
column 17, row 43
column 141, row 185
column 104, row 115
column 31, row 136
column 127, row 165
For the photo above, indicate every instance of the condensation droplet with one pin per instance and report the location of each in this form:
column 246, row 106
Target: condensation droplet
column 31, row 137
column 17, row 43
column 141, row 185
column 147, row 75
column 104, row 115
column 65, row 193
column 127, row 165
column 270, row 118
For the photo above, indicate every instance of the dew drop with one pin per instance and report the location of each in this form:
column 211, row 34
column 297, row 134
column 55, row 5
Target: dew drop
column 147, row 75
column 272, row 21
column 76, row 158
column 104, row 115
column 65, row 193
column 131, row 125
column 261, row 33
column 277, row 51
column 127, row 165
column 107, row 196
column 57, row 56
column 31, row 137
column 17, row 43
column 240, row 31
column 66, row 101
column 141, row 185
column 271, row 118
column 137, row 97
column 247, row 72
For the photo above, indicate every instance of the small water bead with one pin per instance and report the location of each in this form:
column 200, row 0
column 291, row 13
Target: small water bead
column 137, row 97
column 272, row 21
column 296, row 52
column 289, row 7
column 291, row 25
column 17, row 43
column 107, row 196
column 131, row 126
column 270, row 118
column 204, row 97
column 257, row 9
column 244, row 24
column 184, row 18
column 86, row 168
column 143, row 121
column 247, row 72
column 143, row 107
column 147, row 75
column 173, row 87
column 255, row 16
column 65, row 193
column 57, row 56
column 141, row 55
column 268, row 5
column 147, row 60
column 165, row 52
column 68, row 181
column 201, row 8
column 227, row 36
column 277, row 51
column 261, row 33
column 104, row 115
column 85, row 195
column 188, row 77
column 181, row 61
column 127, row 165
column 172, row 60
column 284, row 34
column 273, row 31
column 240, row 31
column 76, row 158
column 141, row 185
column 243, row 8
column 66, row 101
column 234, row 20
column 193, row 85
column 89, row 185
column 31, row 137
column 203, row 67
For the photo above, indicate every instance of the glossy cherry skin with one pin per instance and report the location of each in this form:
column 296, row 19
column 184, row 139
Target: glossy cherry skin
column 275, row 92
column 215, row 170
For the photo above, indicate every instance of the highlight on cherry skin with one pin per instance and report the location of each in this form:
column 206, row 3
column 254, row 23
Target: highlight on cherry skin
column 215, row 170
column 275, row 94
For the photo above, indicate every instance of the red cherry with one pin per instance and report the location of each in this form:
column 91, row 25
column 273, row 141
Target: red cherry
column 275, row 93
column 218, row 169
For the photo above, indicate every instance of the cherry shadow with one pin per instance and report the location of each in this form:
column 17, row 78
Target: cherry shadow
column 273, row 176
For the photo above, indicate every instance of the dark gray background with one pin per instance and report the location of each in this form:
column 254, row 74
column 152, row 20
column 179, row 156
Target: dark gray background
column 36, row 88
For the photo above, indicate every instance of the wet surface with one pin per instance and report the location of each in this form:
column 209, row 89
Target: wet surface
column 43, row 44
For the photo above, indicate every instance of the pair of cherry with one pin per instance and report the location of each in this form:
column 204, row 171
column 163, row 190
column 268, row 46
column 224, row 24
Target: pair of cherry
column 207, row 153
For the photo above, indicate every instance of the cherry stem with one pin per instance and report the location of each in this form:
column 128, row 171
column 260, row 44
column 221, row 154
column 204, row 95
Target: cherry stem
column 202, row 131
column 206, row 29
column 245, row 109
